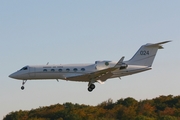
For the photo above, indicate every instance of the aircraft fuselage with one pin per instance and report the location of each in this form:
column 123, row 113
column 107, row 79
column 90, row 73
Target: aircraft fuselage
column 65, row 71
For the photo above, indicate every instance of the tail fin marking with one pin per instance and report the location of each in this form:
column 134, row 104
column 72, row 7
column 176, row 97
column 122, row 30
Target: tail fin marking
column 146, row 54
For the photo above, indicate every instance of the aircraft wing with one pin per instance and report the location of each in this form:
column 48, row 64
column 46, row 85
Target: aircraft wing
column 98, row 75
column 102, row 75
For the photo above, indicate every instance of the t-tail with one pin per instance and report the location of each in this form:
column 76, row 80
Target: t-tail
column 146, row 54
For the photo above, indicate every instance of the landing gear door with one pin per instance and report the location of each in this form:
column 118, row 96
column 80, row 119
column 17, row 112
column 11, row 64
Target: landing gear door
column 32, row 71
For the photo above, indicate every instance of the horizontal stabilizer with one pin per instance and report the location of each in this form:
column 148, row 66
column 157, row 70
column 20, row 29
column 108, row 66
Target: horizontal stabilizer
column 157, row 44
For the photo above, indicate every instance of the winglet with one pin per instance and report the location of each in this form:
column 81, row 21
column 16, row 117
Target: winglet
column 119, row 63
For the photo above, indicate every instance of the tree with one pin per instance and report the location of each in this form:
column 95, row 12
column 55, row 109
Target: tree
column 160, row 108
column 129, row 102
column 167, row 117
column 142, row 117
column 146, row 109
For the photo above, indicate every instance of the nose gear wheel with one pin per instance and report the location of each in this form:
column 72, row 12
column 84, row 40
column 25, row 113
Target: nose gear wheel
column 22, row 87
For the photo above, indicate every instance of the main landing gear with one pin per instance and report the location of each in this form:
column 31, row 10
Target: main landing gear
column 22, row 87
column 91, row 87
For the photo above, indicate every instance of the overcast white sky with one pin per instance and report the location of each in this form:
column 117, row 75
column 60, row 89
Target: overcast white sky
column 62, row 32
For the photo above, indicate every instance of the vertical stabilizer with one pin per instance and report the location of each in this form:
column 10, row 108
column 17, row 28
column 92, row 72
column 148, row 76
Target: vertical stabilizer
column 146, row 54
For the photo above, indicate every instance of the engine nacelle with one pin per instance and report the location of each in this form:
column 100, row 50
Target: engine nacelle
column 102, row 64
column 123, row 66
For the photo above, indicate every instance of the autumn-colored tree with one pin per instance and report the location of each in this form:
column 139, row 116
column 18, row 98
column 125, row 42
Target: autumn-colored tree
column 146, row 109
column 160, row 108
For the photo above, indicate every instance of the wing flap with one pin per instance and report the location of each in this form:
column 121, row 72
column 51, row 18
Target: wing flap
column 106, row 76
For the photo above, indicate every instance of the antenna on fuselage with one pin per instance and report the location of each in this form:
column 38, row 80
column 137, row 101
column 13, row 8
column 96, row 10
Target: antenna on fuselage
column 47, row 63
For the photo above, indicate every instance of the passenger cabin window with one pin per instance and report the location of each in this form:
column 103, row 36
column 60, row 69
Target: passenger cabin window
column 60, row 70
column 75, row 69
column 52, row 70
column 45, row 70
column 82, row 69
column 67, row 69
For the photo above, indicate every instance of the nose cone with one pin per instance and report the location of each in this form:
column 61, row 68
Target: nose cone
column 13, row 75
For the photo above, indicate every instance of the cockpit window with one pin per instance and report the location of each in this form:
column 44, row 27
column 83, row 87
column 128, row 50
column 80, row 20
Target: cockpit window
column 24, row 68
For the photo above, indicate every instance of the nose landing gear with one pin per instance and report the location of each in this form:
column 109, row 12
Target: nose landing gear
column 22, row 87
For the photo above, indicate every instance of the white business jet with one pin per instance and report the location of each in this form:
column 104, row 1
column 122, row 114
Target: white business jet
column 99, row 71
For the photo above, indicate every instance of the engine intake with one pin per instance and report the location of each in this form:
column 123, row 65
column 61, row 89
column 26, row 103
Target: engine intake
column 123, row 66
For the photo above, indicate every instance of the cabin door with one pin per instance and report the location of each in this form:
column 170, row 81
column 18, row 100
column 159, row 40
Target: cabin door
column 32, row 72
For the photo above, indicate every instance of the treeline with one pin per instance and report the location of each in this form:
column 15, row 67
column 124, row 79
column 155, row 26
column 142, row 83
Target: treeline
column 160, row 108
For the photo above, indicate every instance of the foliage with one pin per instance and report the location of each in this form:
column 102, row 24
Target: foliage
column 160, row 108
